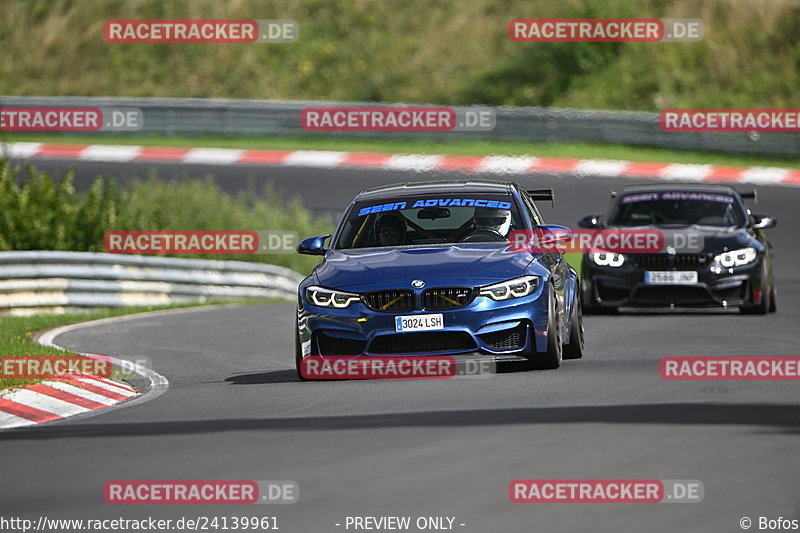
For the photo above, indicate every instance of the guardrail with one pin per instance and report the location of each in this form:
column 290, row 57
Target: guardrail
column 37, row 281
column 243, row 118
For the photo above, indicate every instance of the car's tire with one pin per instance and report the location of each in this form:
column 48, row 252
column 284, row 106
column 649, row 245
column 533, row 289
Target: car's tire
column 574, row 349
column 766, row 300
column 298, row 355
column 758, row 309
column 773, row 300
column 551, row 358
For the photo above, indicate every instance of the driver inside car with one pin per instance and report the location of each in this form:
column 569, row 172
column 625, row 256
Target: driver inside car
column 390, row 229
column 492, row 219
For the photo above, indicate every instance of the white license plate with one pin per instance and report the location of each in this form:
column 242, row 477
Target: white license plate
column 670, row 278
column 419, row 322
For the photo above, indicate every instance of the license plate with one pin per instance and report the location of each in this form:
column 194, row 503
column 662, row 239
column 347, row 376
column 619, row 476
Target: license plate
column 670, row 278
column 419, row 322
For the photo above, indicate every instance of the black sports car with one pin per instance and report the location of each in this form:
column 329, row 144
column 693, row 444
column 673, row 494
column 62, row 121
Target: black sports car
column 733, row 269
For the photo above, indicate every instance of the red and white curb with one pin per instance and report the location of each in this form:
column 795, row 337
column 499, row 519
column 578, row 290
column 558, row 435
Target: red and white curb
column 501, row 165
column 60, row 398
column 80, row 395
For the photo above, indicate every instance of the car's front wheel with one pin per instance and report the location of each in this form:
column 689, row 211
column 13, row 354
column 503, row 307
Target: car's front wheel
column 298, row 355
column 551, row 358
column 763, row 307
column 574, row 349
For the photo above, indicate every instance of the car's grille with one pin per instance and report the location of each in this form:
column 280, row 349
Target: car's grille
column 396, row 301
column 668, row 262
column 506, row 339
column 440, row 341
column 672, row 294
column 443, row 298
column 329, row 345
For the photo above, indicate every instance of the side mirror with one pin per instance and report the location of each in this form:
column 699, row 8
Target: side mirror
column 560, row 234
column 763, row 221
column 313, row 245
column 590, row 221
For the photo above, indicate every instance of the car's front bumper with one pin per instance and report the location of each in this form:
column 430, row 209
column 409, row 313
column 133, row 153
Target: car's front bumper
column 626, row 286
column 495, row 328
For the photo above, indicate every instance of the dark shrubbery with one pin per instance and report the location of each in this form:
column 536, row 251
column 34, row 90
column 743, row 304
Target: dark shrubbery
column 48, row 214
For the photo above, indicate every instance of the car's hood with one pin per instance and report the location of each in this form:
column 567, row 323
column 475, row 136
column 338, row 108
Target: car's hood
column 375, row 268
column 715, row 239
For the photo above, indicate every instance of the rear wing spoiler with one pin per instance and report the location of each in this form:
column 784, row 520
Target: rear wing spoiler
column 543, row 195
column 749, row 195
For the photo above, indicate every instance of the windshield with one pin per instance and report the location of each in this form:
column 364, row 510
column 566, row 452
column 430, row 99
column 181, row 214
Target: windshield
column 430, row 219
column 677, row 208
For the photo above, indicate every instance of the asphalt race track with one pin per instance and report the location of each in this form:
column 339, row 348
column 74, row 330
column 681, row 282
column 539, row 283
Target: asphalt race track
column 235, row 410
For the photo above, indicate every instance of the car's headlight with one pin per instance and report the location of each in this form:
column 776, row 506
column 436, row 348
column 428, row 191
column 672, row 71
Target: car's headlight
column 609, row 259
column 330, row 298
column 513, row 288
column 736, row 258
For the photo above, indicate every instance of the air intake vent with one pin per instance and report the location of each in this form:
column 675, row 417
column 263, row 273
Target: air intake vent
column 444, row 298
column 397, row 301
column 441, row 341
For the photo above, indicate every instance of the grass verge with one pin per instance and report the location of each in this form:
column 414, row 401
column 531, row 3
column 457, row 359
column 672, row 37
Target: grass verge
column 575, row 260
column 446, row 52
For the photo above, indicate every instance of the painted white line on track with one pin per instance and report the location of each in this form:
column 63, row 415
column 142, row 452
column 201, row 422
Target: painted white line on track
column 20, row 150
column 498, row 164
column 316, row 159
column 600, row 167
column 414, row 163
column 110, row 152
column 764, row 175
column 212, row 156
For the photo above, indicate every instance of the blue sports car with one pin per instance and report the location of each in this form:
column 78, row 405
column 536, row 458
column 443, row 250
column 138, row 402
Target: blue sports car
column 426, row 268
